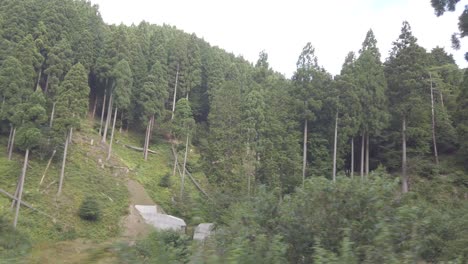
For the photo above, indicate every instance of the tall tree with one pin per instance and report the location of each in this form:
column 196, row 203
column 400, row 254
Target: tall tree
column 405, row 71
column 72, row 104
column 33, row 115
column 371, row 80
column 122, row 92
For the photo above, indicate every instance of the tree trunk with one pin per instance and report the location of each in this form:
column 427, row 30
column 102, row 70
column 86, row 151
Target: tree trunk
column 108, row 119
column 121, row 121
column 404, row 177
column 434, row 142
column 145, row 151
column 52, row 115
column 38, row 79
column 304, row 154
column 362, row 156
column 46, row 88
column 9, row 138
column 70, row 136
column 93, row 115
column 352, row 157
column 441, row 98
column 175, row 161
column 112, row 135
column 183, row 168
column 62, row 171
column 12, row 144
column 3, row 104
column 102, row 111
column 367, row 154
column 175, row 92
column 20, row 192
column 334, row 147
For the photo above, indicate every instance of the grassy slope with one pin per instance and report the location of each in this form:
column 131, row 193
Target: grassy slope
column 84, row 176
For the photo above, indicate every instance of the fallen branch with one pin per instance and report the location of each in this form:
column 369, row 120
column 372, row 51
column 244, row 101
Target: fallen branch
column 27, row 205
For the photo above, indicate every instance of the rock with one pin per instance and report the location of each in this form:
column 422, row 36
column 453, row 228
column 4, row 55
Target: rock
column 203, row 231
column 160, row 221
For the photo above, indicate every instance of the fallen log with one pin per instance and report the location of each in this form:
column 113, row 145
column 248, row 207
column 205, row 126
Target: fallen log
column 139, row 149
column 27, row 205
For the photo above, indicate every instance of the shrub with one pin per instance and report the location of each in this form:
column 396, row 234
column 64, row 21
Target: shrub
column 165, row 181
column 89, row 209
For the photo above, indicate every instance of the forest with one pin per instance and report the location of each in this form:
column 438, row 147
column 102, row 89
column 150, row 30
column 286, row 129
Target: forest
column 368, row 166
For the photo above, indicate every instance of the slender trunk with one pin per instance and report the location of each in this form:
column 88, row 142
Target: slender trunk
column 151, row 128
column 334, row 147
column 3, row 104
column 304, row 154
column 362, row 156
column 434, row 142
column 62, row 171
column 441, row 98
column 183, row 168
column 175, row 161
column 367, row 154
column 102, row 112
column 46, row 84
column 38, row 79
column 52, row 115
column 9, row 138
column 93, row 115
column 352, row 157
column 404, row 177
column 121, row 122
column 175, row 92
column 47, row 167
column 148, row 128
column 108, row 119
column 20, row 192
column 112, row 135
column 70, row 136
column 12, row 144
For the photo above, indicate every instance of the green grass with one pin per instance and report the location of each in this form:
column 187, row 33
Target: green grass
column 83, row 176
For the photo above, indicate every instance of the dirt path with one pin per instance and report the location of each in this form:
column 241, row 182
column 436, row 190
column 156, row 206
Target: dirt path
column 133, row 224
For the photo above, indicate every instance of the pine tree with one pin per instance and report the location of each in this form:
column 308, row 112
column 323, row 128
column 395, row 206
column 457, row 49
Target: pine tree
column 72, row 103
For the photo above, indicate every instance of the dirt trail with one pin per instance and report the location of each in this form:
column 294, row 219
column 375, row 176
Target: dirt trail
column 133, row 224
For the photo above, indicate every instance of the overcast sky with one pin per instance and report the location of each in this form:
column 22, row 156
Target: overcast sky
column 282, row 28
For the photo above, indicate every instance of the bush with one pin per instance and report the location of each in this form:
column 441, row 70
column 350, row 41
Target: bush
column 89, row 209
column 165, row 181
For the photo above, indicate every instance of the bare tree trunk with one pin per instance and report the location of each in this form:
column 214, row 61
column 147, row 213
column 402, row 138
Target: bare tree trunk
column 112, row 135
column 47, row 167
column 183, row 168
column 441, row 98
column 304, row 154
column 12, row 144
column 70, row 136
column 334, row 147
column 20, row 192
column 108, row 119
column 121, row 121
column 145, row 150
column 434, row 142
column 175, row 161
column 102, row 112
column 62, row 171
column 9, row 138
column 362, row 156
column 3, row 104
column 404, row 177
column 367, row 154
column 38, row 79
column 352, row 157
column 175, row 92
column 52, row 115
column 93, row 115
column 46, row 88
column 151, row 128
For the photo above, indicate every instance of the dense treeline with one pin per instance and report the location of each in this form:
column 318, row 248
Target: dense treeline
column 260, row 134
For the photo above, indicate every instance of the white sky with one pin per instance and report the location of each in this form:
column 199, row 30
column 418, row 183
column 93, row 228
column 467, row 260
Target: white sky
column 282, row 28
